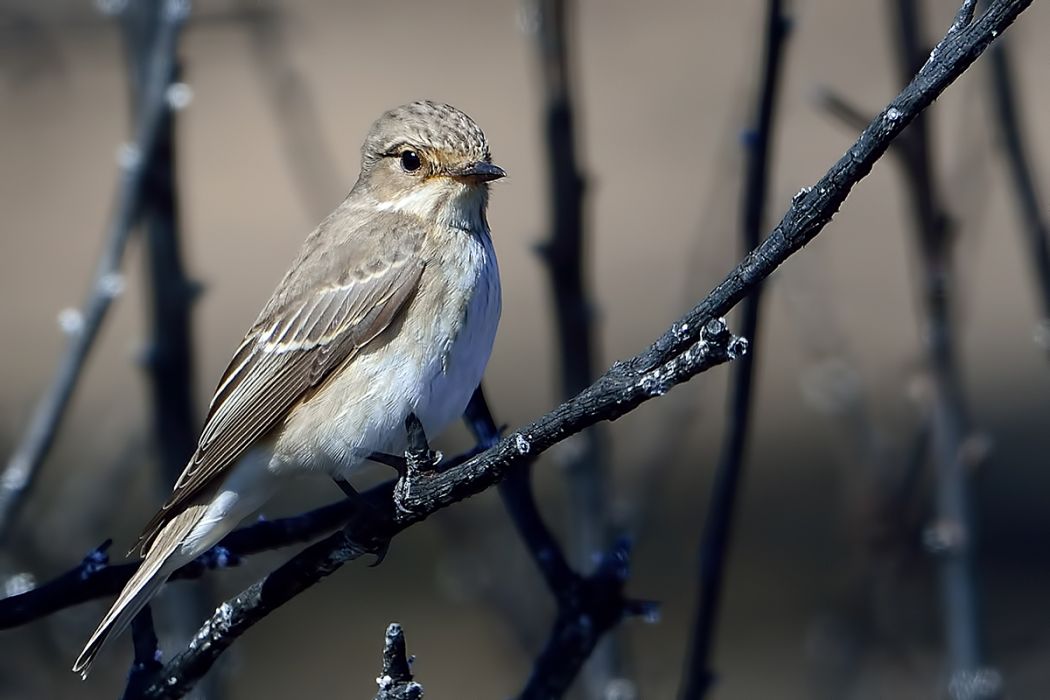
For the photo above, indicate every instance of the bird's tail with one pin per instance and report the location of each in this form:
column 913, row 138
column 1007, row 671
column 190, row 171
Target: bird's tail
column 164, row 556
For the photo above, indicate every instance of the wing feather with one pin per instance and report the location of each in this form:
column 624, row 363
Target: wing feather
column 287, row 353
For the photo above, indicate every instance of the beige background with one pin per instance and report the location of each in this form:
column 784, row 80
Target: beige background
column 664, row 90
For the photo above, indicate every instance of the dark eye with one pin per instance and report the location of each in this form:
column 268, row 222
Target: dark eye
column 410, row 161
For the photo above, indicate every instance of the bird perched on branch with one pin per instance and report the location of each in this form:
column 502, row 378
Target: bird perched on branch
column 389, row 309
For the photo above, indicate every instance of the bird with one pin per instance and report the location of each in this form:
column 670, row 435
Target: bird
column 389, row 310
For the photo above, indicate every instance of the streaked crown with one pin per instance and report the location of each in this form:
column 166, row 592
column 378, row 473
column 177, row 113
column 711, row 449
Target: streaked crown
column 424, row 124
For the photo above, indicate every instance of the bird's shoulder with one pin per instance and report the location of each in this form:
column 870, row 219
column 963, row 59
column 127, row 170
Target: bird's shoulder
column 353, row 246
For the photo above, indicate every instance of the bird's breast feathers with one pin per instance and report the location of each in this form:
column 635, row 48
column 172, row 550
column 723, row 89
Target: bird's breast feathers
column 430, row 365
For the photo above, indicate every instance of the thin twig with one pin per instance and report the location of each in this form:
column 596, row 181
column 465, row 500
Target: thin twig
column 82, row 326
column 147, row 654
column 1036, row 228
column 698, row 674
column 588, row 606
column 563, row 253
column 395, row 682
column 95, row 578
column 168, row 357
column 313, row 170
column 586, row 468
column 952, row 535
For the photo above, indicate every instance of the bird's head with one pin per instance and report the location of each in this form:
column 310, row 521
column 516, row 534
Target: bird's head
column 429, row 160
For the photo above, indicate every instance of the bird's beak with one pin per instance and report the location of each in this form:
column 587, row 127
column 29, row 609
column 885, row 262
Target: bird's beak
column 480, row 172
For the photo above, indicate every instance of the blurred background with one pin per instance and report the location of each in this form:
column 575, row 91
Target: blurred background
column 829, row 591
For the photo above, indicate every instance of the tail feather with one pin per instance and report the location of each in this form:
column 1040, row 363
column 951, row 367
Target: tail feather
column 159, row 563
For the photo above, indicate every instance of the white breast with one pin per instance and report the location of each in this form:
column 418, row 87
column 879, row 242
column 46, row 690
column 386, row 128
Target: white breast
column 457, row 373
column 430, row 368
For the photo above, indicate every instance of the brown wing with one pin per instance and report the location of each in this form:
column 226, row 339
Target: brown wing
column 291, row 349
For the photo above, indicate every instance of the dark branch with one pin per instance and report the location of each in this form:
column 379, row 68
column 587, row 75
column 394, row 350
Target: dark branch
column 934, row 231
column 587, row 606
column 586, row 469
column 95, row 578
column 395, row 683
column 416, row 498
column 147, row 655
column 168, row 359
column 83, row 325
column 715, row 537
column 1032, row 209
column 678, row 355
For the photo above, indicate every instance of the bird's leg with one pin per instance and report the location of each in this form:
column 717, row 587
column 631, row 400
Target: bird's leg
column 348, row 489
column 418, row 455
column 362, row 505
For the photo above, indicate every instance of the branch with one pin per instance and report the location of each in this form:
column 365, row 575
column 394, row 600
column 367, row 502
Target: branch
column 95, row 578
column 313, row 170
column 147, row 655
column 563, row 254
column 953, row 531
column 396, row 681
column 587, row 606
column 1036, row 228
column 169, row 356
column 82, row 326
column 679, row 354
column 586, row 469
column 714, row 542
column 418, row 495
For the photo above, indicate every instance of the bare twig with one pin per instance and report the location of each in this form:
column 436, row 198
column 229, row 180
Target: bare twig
column 586, row 467
column 952, row 535
column 147, row 654
column 1032, row 208
column 588, row 606
column 698, row 674
column 563, row 254
column 314, row 172
column 395, row 683
column 95, row 578
column 82, row 326
column 169, row 357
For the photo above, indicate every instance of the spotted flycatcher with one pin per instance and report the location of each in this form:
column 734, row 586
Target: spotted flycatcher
column 390, row 308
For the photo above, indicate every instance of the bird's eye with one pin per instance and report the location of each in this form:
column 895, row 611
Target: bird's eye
column 410, row 161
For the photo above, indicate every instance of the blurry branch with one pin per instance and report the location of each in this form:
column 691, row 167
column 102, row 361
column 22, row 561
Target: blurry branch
column 314, row 173
column 715, row 537
column 693, row 344
column 586, row 465
column 147, row 654
column 1032, row 209
column 95, row 578
column 587, row 606
column 169, row 357
column 564, row 256
column 395, row 683
column 82, row 326
column 951, row 536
